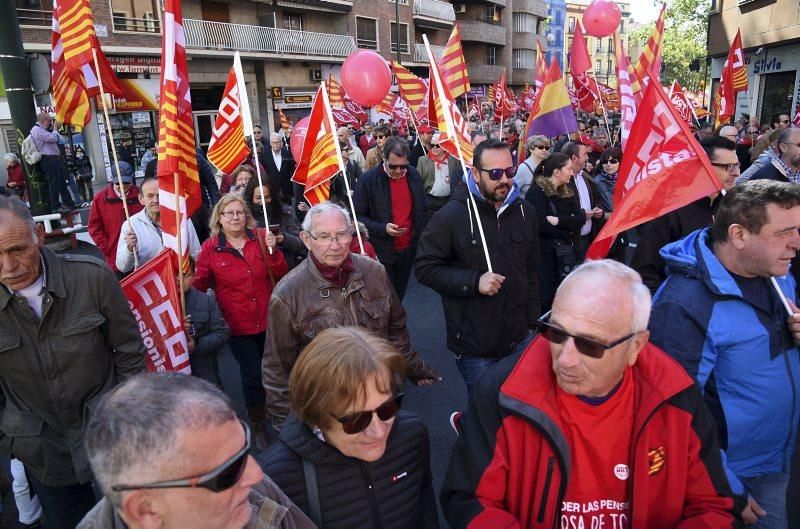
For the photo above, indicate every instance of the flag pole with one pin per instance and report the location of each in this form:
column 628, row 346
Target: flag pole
column 114, row 153
column 448, row 118
column 179, row 230
column 602, row 104
column 342, row 168
column 416, row 128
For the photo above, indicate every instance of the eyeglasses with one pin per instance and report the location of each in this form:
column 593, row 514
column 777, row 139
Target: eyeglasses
column 611, row 160
column 585, row 346
column 358, row 422
column 233, row 214
column 497, row 174
column 435, row 145
column 542, row 147
column 727, row 166
column 784, row 121
column 397, row 167
column 380, row 136
column 221, row 478
column 752, row 132
column 343, row 238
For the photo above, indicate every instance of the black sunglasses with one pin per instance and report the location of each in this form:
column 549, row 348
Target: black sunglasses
column 543, row 147
column 497, row 174
column 585, row 346
column 358, row 422
column 221, row 478
column 397, row 167
column 611, row 160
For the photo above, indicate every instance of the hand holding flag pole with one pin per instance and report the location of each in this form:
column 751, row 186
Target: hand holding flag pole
column 452, row 133
column 342, row 168
column 114, row 154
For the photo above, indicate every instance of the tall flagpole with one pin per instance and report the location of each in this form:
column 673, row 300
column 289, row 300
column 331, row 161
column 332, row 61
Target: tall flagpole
column 342, row 168
column 179, row 230
column 448, row 118
column 247, row 124
column 114, row 153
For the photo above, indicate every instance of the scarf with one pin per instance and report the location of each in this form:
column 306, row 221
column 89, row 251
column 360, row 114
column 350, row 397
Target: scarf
column 442, row 158
column 611, row 178
column 513, row 194
column 338, row 276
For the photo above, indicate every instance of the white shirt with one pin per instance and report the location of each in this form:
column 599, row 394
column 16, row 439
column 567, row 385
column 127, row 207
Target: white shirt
column 586, row 201
column 33, row 295
column 441, row 181
column 278, row 159
column 148, row 242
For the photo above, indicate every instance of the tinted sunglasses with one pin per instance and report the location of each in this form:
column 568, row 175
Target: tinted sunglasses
column 543, row 147
column 611, row 160
column 497, row 174
column 397, row 167
column 585, row 346
column 435, row 145
column 358, row 422
column 221, row 478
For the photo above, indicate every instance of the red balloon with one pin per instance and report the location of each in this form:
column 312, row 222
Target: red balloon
column 298, row 137
column 601, row 18
column 366, row 77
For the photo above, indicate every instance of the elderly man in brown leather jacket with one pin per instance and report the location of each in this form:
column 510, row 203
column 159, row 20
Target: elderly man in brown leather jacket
column 332, row 287
column 67, row 336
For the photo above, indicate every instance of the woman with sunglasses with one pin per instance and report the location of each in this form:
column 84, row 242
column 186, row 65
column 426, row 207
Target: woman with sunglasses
column 538, row 147
column 347, row 456
column 606, row 177
column 374, row 156
column 560, row 219
column 242, row 263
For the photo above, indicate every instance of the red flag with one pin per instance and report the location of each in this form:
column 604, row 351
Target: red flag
column 579, row 64
column 319, row 162
column 796, row 119
column 504, row 106
column 682, row 104
column 627, row 100
column 541, row 65
column 732, row 81
column 177, row 159
column 227, row 148
column 152, row 294
column 664, row 168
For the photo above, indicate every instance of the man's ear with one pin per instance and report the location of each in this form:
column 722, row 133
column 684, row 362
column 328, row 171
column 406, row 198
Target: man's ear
column 140, row 510
column 306, row 239
column 737, row 235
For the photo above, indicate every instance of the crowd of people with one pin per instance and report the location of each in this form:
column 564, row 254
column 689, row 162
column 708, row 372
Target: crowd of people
column 657, row 388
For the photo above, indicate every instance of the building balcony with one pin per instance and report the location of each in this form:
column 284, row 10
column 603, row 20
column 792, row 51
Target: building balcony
column 483, row 31
column 35, row 17
column 483, row 73
column 526, row 41
column 421, row 54
column 433, row 14
column 342, row 6
column 532, row 7
column 283, row 43
column 520, row 76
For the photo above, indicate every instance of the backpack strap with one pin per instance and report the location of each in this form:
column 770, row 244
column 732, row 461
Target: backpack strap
column 312, row 492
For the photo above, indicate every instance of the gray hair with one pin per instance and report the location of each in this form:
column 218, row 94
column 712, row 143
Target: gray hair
column 600, row 131
column 537, row 139
column 607, row 270
column 42, row 116
column 16, row 208
column 275, row 136
column 11, row 157
column 144, row 417
column 343, row 130
column 325, row 207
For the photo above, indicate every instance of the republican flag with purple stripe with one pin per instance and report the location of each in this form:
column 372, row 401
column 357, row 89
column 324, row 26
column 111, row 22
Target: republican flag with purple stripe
column 552, row 112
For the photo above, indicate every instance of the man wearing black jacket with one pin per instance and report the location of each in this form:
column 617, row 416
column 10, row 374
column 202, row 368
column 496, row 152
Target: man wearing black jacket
column 390, row 200
column 279, row 164
column 489, row 315
column 677, row 224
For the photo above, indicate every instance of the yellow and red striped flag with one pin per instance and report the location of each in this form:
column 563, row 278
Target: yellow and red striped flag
column 439, row 103
column 178, row 181
column 453, row 66
column 335, row 92
column 285, row 123
column 319, row 162
column 228, row 148
column 387, row 105
column 649, row 63
column 541, row 65
column 412, row 88
column 70, row 98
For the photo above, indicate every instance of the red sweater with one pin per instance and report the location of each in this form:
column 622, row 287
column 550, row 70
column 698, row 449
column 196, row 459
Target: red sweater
column 402, row 207
column 240, row 281
column 107, row 217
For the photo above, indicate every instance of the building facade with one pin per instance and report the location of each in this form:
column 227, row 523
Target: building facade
column 771, row 42
column 557, row 12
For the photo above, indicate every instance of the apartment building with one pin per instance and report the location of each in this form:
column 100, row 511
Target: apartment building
column 601, row 50
column 771, row 41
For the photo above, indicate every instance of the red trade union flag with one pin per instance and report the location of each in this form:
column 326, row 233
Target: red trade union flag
column 664, row 168
column 732, row 81
column 343, row 117
column 541, row 65
column 227, row 148
column 627, row 99
column 152, row 295
column 319, row 162
column 503, row 105
column 177, row 158
column 682, row 104
column 336, row 92
column 579, row 59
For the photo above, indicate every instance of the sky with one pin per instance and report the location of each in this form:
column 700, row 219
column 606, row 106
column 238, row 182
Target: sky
column 644, row 10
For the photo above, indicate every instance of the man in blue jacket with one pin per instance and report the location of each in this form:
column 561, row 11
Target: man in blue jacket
column 719, row 315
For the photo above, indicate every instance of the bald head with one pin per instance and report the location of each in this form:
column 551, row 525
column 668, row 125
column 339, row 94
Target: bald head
column 729, row 132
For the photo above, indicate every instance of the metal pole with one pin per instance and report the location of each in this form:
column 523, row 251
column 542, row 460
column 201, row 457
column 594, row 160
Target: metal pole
column 397, row 27
column 19, row 94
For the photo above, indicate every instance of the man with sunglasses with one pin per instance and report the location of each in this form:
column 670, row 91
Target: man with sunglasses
column 390, row 201
column 677, row 224
column 591, row 426
column 489, row 315
column 786, row 166
column 168, row 450
column 440, row 173
column 719, row 315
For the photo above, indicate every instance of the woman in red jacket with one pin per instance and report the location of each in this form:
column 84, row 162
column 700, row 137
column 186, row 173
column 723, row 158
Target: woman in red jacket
column 16, row 177
column 242, row 263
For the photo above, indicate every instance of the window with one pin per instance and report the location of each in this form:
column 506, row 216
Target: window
column 403, row 37
column 402, row 2
column 572, row 24
column 490, row 55
column 294, row 22
column 599, row 46
column 524, row 23
column 598, row 66
column 35, row 12
column 610, row 45
column 367, row 33
column 143, row 18
column 493, row 15
column 622, row 26
column 610, row 67
column 523, row 58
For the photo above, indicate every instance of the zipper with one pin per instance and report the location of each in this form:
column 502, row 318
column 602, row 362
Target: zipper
column 373, row 500
column 551, row 463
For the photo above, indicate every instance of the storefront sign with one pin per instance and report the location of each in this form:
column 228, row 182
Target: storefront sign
column 479, row 91
column 298, row 99
column 47, row 110
column 295, row 100
column 142, row 64
column 140, row 95
column 277, row 92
